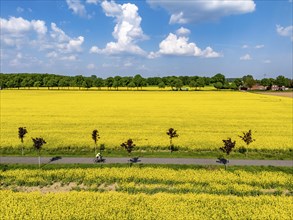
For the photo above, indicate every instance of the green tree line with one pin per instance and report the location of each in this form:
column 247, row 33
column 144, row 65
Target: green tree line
column 219, row 81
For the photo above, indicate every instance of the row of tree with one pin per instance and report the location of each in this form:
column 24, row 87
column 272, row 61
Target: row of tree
column 37, row 142
column 129, row 144
column 229, row 145
column 219, row 81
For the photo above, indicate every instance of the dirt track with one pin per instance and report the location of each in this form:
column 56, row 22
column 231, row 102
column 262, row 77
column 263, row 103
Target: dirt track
column 283, row 94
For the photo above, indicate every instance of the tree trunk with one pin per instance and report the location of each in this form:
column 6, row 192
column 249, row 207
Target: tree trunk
column 22, row 146
column 39, row 160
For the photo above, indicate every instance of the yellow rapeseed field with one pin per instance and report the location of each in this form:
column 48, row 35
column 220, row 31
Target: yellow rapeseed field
column 202, row 119
column 145, row 193
column 151, row 180
column 161, row 206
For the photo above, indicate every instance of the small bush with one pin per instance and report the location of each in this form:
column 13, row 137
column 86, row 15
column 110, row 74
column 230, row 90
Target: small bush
column 242, row 150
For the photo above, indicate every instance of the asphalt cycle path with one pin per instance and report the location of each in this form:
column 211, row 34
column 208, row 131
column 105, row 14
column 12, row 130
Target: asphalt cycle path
column 142, row 160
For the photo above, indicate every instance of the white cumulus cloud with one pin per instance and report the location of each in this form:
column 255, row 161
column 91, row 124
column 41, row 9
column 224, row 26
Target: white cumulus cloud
column 285, row 31
column 63, row 43
column 246, row 57
column 76, row 7
column 183, row 31
column 16, row 32
column 17, row 26
column 24, row 36
column 94, row 49
column 153, row 55
column 39, row 26
column 179, row 45
column 195, row 11
column 210, row 53
column 127, row 30
column 59, row 46
column 178, row 18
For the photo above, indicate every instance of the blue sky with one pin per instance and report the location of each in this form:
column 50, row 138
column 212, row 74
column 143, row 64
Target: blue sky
column 148, row 37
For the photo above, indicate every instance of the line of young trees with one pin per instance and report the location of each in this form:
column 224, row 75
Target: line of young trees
column 37, row 142
column 129, row 144
column 29, row 80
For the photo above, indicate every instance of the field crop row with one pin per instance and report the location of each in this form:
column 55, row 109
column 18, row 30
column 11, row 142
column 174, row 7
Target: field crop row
column 117, row 205
column 202, row 119
column 152, row 180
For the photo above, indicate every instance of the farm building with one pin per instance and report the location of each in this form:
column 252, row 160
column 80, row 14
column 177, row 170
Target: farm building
column 258, row 87
column 275, row 88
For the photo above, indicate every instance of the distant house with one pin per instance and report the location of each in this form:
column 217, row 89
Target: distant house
column 276, row 88
column 258, row 87
column 181, row 89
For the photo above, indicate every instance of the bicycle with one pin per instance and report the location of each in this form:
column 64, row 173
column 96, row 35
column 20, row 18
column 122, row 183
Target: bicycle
column 99, row 160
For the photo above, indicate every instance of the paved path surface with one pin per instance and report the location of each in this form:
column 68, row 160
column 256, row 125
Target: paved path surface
column 84, row 160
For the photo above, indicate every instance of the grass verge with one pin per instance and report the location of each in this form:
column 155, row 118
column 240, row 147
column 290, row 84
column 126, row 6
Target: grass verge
column 253, row 169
